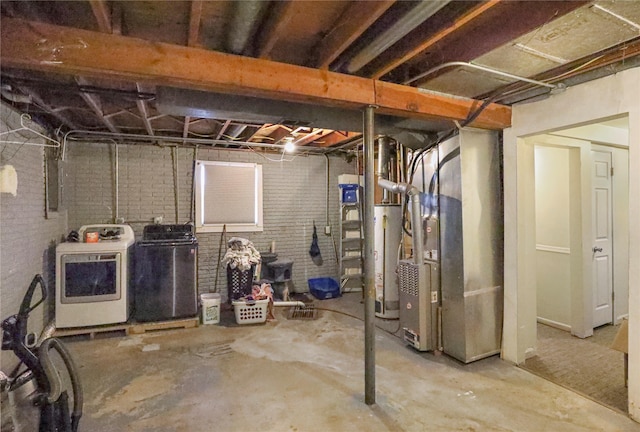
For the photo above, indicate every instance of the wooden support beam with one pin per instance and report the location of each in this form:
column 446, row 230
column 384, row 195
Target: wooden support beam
column 194, row 22
column 358, row 17
column 80, row 52
column 393, row 97
column 425, row 45
column 103, row 15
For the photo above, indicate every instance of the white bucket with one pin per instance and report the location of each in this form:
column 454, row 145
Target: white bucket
column 210, row 308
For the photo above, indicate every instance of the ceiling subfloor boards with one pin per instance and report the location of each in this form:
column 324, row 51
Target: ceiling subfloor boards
column 515, row 18
column 81, row 52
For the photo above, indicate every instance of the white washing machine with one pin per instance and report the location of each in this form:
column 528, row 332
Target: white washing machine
column 92, row 279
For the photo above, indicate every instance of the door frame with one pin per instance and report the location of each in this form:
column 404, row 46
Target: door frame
column 580, row 226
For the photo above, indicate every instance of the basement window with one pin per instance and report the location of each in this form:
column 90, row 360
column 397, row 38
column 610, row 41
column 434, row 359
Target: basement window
column 228, row 193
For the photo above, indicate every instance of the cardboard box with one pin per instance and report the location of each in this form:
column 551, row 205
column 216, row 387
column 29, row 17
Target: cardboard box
column 621, row 343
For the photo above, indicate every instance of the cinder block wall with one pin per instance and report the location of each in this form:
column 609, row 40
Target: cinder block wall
column 294, row 196
column 27, row 238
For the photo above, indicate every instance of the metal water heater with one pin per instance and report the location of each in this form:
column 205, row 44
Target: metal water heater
column 387, row 224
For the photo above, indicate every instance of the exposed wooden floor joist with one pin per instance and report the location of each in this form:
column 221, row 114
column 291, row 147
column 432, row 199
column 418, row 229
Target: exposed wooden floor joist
column 38, row 46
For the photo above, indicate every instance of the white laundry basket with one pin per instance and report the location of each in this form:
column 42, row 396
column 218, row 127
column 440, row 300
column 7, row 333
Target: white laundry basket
column 254, row 312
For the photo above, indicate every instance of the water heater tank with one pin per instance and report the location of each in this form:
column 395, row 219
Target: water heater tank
column 388, row 235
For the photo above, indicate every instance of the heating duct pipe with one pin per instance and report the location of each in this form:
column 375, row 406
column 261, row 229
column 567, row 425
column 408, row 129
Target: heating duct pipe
column 383, row 165
column 388, row 155
column 416, row 214
column 411, row 20
column 245, row 17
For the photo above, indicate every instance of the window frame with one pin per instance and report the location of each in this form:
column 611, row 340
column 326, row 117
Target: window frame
column 200, row 187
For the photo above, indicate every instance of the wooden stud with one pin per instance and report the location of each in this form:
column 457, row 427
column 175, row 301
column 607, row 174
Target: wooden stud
column 275, row 28
column 103, row 16
column 194, row 22
column 358, row 17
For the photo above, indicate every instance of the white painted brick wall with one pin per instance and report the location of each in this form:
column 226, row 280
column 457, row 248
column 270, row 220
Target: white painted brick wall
column 294, row 196
column 27, row 239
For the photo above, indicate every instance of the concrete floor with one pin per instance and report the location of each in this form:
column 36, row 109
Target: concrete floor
column 292, row 375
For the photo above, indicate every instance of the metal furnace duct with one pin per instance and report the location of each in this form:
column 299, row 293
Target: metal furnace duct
column 471, row 245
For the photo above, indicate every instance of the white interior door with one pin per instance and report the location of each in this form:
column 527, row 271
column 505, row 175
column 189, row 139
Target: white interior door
column 602, row 251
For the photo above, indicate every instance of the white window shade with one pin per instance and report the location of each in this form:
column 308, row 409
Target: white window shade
column 228, row 193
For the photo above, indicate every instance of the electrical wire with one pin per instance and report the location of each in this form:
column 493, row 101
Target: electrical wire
column 473, row 114
column 282, row 159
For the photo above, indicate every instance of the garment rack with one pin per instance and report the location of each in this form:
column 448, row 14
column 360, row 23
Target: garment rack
column 24, row 127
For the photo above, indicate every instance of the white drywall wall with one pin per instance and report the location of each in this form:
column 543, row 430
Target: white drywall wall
column 552, row 236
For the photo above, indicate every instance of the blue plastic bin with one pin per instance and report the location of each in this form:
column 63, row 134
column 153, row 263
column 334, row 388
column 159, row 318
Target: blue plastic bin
column 349, row 193
column 324, row 288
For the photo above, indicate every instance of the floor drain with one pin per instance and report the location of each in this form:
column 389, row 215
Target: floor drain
column 306, row 312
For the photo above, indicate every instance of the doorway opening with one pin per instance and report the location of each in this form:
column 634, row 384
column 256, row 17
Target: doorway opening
column 580, row 183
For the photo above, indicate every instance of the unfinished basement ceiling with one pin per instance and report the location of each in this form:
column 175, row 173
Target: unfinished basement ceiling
column 395, row 42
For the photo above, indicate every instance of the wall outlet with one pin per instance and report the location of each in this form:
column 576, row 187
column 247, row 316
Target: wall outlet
column 157, row 220
column 327, row 230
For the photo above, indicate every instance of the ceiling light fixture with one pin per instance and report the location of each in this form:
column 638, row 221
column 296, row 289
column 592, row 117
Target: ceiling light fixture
column 289, row 146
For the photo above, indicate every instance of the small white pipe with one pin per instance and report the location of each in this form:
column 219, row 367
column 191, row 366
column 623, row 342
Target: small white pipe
column 289, row 303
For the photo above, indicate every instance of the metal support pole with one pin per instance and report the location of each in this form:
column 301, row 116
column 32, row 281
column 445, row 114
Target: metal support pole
column 369, row 265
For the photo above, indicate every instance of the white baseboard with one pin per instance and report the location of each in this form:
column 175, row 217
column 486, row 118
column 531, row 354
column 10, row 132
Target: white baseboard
column 619, row 319
column 554, row 324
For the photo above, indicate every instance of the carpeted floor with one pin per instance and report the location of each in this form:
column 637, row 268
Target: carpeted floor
column 587, row 366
